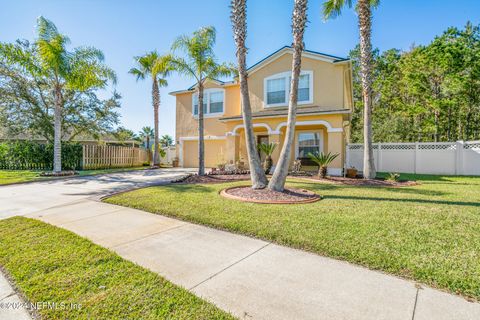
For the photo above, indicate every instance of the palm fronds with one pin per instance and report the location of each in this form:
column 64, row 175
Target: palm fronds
column 267, row 148
column 322, row 160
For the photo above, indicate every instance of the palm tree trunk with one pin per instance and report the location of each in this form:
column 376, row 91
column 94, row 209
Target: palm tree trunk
column 365, row 25
column 57, row 140
column 238, row 18
column 149, row 151
column 156, row 103
column 201, row 142
column 299, row 20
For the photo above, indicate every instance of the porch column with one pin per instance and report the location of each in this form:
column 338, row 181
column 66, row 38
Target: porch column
column 275, row 138
column 231, row 155
column 336, row 145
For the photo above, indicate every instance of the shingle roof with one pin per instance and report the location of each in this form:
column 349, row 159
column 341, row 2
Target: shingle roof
column 284, row 111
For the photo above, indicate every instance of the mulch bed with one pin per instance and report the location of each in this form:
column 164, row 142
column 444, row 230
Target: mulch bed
column 288, row 196
column 217, row 178
column 363, row 182
column 58, row 174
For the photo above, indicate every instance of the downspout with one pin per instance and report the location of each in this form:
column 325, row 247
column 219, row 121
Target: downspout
column 347, row 124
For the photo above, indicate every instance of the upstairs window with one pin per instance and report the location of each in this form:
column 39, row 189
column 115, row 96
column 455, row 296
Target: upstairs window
column 304, row 88
column 195, row 104
column 276, row 92
column 216, row 102
column 277, row 89
column 213, row 102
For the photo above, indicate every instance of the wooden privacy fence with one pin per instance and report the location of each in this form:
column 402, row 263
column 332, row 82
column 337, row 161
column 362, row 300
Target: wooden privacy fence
column 450, row 158
column 104, row 157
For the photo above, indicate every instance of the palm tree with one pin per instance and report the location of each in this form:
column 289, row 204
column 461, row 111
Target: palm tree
column 267, row 149
column 146, row 134
column 299, row 21
column 331, row 9
column 198, row 62
column 157, row 68
column 322, row 160
column 238, row 17
column 166, row 140
column 81, row 69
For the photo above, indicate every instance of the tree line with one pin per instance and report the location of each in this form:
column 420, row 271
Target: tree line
column 427, row 93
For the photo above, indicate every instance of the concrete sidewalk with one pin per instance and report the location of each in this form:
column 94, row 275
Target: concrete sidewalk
column 251, row 278
column 11, row 306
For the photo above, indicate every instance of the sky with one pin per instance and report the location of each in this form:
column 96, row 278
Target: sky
column 124, row 29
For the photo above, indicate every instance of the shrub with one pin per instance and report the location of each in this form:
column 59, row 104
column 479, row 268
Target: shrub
column 393, row 176
column 267, row 149
column 29, row 155
column 322, row 160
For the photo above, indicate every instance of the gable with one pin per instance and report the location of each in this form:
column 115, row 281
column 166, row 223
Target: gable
column 306, row 54
column 327, row 86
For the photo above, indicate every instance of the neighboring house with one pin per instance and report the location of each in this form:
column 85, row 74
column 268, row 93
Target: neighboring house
column 325, row 102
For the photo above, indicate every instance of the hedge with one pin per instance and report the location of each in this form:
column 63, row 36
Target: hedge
column 28, row 155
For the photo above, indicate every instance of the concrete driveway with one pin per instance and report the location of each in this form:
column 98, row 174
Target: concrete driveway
column 21, row 199
column 251, row 278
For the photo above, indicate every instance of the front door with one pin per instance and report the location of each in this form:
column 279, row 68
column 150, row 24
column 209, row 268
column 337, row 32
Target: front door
column 262, row 139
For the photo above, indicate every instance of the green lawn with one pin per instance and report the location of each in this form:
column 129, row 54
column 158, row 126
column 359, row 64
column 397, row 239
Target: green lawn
column 429, row 232
column 15, row 176
column 49, row 264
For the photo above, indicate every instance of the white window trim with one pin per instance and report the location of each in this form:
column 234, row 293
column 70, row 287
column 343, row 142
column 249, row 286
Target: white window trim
column 319, row 131
column 206, row 95
column 286, row 76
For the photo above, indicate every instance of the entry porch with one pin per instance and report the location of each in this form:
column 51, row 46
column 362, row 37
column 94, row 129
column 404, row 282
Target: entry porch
column 312, row 134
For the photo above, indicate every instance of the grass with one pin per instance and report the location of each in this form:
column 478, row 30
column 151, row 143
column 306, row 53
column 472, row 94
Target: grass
column 16, row 176
column 49, row 264
column 429, row 232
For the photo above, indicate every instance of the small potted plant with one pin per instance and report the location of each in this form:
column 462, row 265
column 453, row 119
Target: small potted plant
column 267, row 149
column 175, row 162
column 322, row 160
column 352, row 173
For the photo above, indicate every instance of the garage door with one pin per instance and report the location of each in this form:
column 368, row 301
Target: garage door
column 214, row 153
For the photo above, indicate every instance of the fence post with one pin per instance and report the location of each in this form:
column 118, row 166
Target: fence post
column 459, row 157
column 83, row 157
column 379, row 156
column 347, row 158
column 415, row 154
column 133, row 156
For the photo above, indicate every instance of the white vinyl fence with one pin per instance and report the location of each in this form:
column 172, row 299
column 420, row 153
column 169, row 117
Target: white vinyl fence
column 169, row 155
column 449, row 158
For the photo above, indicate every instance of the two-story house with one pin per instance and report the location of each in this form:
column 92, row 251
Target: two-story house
column 325, row 102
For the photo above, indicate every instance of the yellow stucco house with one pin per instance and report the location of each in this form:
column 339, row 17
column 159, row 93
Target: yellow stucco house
column 324, row 108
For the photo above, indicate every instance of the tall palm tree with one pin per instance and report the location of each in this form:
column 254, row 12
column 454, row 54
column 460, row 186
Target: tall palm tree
column 239, row 22
column 332, row 9
column 81, row 69
column 299, row 21
column 198, row 62
column 157, row 68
